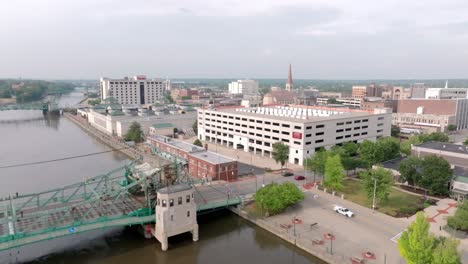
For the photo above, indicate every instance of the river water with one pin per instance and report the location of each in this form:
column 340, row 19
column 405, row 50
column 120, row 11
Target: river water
column 28, row 136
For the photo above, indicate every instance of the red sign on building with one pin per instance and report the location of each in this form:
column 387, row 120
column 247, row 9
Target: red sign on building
column 297, row 135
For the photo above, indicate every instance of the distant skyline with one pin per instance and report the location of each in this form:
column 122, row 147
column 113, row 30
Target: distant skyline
column 322, row 39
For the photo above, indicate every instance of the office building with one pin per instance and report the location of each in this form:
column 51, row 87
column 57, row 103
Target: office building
column 133, row 91
column 432, row 114
column 243, row 87
column 305, row 129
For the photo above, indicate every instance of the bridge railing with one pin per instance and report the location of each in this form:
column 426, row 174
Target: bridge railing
column 67, row 218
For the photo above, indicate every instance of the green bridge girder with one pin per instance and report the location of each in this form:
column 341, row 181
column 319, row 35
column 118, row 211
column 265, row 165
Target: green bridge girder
column 103, row 201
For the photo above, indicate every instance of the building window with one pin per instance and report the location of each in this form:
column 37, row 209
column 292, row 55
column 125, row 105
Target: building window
column 319, row 141
column 357, row 121
column 319, row 133
column 339, row 130
column 188, row 213
column 340, row 137
column 340, row 123
column 319, row 126
column 171, row 202
column 188, row 199
column 285, row 125
column 164, row 203
column 297, row 127
column 180, row 200
column 380, row 118
column 309, row 127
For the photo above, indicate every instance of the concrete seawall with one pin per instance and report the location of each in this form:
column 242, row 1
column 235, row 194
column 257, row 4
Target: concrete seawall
column 299, row 242
column 132, row 153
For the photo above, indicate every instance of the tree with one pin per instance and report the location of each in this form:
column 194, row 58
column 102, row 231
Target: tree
column 332, row 101
column 383, row 185
column 195, row 127
column 368, row 153
column 446, row 252
column 274, row 198
column 350, row 163
column 451, row 127
column 436, row 173
column 410, row 170
column 435, row 136
column 416, row 244
column 134, row 133
column 405, row 146
column 395, row 131
column 280, row 153
column 466, row 142
column 459, row 221
column 175, row 131
column 351, row 148
column 316, row 163
column 333, row 173
column 386, row 149
column 197, row 142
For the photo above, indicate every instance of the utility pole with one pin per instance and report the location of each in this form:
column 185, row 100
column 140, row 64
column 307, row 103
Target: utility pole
column 375, row 188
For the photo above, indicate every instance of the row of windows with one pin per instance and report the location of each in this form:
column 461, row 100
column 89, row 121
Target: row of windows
column 134, row 82
column 163, row 202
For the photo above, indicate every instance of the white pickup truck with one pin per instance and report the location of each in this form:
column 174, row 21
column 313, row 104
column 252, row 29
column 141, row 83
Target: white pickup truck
column 342, row 210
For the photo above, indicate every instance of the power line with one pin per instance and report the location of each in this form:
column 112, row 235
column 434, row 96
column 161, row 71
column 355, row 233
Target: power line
column 61, row 159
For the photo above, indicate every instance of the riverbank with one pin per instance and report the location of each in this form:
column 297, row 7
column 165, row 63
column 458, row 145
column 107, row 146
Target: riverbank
column 104, row 138
column 313, row 247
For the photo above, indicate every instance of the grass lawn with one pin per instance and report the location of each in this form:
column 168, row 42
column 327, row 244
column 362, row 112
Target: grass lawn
column 399, row 203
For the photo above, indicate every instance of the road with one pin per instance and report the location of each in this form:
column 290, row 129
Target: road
column 367, row 231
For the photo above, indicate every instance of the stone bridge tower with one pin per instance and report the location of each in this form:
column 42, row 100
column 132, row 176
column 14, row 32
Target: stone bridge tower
column 176, row 213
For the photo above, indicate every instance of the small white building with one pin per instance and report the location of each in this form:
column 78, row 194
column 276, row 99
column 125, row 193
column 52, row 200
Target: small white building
column 243, row 87
column 176, row 213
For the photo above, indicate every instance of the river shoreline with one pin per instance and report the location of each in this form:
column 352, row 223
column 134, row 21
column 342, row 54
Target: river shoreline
column 296, row 242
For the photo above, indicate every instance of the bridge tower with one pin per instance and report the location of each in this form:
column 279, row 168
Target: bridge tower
column 176, row 213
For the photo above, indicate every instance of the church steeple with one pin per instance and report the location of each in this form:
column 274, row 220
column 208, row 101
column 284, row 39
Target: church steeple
column 289, row 83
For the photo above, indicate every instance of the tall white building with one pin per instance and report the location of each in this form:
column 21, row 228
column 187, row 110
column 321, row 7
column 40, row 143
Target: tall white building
column 243, row 87
column 305, row 129
column 133, row 91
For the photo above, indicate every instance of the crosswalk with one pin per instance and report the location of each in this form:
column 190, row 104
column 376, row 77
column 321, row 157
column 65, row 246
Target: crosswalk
column 396, row 237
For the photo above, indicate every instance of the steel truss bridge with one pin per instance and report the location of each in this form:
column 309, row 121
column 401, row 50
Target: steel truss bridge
column 121, row 197
column 47, row 105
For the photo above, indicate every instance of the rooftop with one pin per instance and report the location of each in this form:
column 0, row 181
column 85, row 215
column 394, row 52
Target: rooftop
column 298, row 113
column 393, row 164
column 163, row 125
column 175, row 188
column 195, row 151
column 444, row 146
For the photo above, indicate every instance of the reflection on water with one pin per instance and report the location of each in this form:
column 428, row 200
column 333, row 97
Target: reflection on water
column 224, row 238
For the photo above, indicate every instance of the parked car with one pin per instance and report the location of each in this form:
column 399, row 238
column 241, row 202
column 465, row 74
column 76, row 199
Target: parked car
column 287, row 174
column 344, row 211
column 299, row 178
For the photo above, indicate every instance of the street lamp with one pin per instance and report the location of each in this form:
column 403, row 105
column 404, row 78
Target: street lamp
column 375, row 188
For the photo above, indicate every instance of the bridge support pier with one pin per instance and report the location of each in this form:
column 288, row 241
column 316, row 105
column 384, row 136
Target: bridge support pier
column 195, row 233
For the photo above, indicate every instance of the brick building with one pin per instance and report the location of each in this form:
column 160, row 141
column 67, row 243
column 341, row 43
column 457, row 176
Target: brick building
column 202, row 163
column 436, row 113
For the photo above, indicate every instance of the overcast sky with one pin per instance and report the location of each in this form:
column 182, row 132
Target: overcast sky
column 322, row 39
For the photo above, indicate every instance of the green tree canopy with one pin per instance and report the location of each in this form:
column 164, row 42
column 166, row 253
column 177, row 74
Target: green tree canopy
column 465, row 142
column 410, row 170
column 197, row 142
column 274, row 198
column 383, row 185
column 333, row 173
column 451, row 127
column 436, row 173
column 351, row 148
column 406, row 145
column 387, row 148
column 280, row 153
column 435, row 136
column 459, row 220
column 416, row 244
column 370, row 154
column 134, row 133
column 446, row 252
column 395, row 131
column 195, row 127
